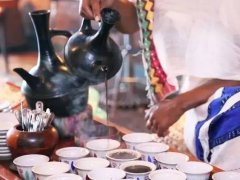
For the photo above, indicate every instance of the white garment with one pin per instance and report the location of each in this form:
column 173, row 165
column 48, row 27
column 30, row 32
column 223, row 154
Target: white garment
column 228, row 151
column 199, row 39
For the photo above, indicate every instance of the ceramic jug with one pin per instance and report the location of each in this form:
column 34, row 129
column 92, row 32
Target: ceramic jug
column 79, row 37
column 50, row 80
column 95, row 57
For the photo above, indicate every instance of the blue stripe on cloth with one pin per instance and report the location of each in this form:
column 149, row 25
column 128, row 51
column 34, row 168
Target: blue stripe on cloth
column 225, row 127
column 213, row 109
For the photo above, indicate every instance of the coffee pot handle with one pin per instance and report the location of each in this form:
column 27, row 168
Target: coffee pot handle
column 54, row 32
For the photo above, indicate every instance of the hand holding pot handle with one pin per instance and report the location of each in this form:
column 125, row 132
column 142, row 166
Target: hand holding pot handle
column 91, row 8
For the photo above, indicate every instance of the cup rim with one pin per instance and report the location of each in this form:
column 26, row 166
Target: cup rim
column 108, row 155
column 84, row 152
column 65, row 165
column 167, row 170
column 208, row 167
column 138, row 162
column 117, row 145
column 170, row 154
column 224, row 172
column 39, row 12
column 18, row 127
column 15, row 161
column 107, row 163
column 52, row 177
column 140, row 146
column 123, row 173
column 126, row 137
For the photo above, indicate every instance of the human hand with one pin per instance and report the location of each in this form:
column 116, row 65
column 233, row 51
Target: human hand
column 160, row 117
column 90, row 9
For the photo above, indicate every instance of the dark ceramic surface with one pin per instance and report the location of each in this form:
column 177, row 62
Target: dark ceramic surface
column 50, row 80
column 23, row 142
column 90, row 56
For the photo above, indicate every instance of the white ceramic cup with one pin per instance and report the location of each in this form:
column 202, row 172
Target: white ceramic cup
column 25, row 163
column 99, row 147
column 137, row 175
column 44, row 170
column 64, row 176
column 169, row 160
column 195, row 170
column 133, row 139
column 149, row 150
column 85, row 165
column 167, row 174
column 106, row 174
column 116, row 159
column 226, row 175
column 71, row 154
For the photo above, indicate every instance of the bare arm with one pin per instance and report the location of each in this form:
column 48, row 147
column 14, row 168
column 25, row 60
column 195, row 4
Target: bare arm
column 128, row 24
column 169, row 111
column 201, row 94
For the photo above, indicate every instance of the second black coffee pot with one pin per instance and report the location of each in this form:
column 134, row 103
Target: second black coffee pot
column 50, row 80
column 94, row 56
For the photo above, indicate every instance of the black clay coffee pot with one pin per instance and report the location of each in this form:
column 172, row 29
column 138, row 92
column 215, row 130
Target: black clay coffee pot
column 79, row 37
column 94, row 56
column 50, row 80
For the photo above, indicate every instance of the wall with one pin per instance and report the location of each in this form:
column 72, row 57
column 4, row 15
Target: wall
column 37, row 4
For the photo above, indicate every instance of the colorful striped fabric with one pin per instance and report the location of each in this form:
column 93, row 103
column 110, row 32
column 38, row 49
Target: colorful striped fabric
column 158, row 86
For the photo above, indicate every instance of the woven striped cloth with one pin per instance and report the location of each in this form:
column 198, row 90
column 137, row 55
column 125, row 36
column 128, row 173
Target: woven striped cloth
column 157, row 85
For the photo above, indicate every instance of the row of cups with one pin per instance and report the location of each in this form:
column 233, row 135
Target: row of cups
column 123, row 162
column 96, row 169
column 74, row 158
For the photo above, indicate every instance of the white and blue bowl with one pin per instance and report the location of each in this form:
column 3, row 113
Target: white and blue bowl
column 25, row 163
column 150, row 149
column 170, row 160
column 133, row 139
column 167, row 174
column 117, row 161
column 71, row 154
column 138, row 175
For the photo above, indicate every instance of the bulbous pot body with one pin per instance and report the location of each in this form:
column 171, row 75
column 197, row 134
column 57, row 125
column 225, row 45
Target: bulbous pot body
column 95, row 57
column 22, row 142
column 79, row 37
column 64, row 106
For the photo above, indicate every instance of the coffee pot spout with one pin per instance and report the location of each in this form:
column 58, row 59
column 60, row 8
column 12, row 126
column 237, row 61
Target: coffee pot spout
column 31, row 80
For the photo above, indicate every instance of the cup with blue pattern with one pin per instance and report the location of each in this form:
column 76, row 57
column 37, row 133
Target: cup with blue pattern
column 119, row 156
column 25, row 163
column 138, row 170
column 167, row 174
column 150, row 149
column 133, row 139
column 170, row 160
column 85, row 165
column 99, row 147
column 71, row 154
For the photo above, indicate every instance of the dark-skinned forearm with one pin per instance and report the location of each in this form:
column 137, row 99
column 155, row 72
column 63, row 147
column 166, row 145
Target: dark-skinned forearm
column 129, row 22
column 201, row 94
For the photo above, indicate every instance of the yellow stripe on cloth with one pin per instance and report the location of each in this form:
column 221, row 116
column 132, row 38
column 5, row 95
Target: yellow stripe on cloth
column 148, row 7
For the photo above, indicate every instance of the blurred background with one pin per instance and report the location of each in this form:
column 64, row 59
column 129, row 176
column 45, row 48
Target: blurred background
column 127, row 96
